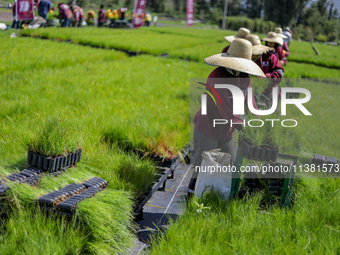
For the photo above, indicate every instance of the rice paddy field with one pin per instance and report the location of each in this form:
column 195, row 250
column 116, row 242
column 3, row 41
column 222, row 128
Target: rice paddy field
column 120, row 94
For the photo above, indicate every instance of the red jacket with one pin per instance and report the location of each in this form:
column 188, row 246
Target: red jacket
column 279, row 53
column 270, row 64
column 101, row 16
column 285, row 48
column 204, row 123
column 80, row 11
column 64, row 11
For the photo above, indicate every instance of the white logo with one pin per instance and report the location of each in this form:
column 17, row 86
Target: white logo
column 24, row 6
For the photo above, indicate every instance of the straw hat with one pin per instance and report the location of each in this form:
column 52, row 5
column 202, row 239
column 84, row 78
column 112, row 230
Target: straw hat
column 272, row 37
column 258, row 48
column 241, row 33
column 278, row 31
column 238, row 58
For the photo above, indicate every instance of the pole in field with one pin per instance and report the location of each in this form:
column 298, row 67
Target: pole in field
column 225, row 14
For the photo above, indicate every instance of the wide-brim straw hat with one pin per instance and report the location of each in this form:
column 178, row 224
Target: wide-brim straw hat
column 238, row 58
column 258, row 48
column 278, row 31
column 241, row 33
column 272, row 37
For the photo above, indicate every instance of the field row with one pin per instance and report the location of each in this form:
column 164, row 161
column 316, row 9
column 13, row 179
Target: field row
column 192, row 44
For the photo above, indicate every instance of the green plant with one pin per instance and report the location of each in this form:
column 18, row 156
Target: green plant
column 321, row 38
column 256, row 135
column 30, row 231
column 106, row 220
column 53, row 138
column 230, row 226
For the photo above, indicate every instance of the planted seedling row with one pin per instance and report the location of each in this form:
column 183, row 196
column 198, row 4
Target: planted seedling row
column 66, row 199
column 53, row 163
column 165, row 173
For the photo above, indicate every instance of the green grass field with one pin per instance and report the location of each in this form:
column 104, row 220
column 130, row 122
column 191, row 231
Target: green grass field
column 120, row 106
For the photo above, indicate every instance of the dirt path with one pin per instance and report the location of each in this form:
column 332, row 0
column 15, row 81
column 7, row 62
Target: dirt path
column 6, row 16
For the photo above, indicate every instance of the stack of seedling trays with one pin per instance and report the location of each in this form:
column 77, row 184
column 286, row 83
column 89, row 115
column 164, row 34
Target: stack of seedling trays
column 65, row 200
column 166, row 171
column 54, row 163
column 39, row 165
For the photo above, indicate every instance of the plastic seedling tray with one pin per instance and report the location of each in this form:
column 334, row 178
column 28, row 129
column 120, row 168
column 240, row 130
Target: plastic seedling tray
column 29, row 157
column 318, row 159
column 53, row 163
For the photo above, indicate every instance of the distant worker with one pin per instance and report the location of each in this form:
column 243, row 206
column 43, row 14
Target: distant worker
column 78, row 16
column 65, row 14
column 43, row 7
column 241, row 33
column 273, row 41
column 289, row 34
column 101, row 16
column 155, row 19
column 90, row 17
column 15, row 23
column 82, row 15
column 285, row 48
column 148, row 19
column 122, row 13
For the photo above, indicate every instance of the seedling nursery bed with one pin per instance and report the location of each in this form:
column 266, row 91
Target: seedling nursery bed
column 40, row 165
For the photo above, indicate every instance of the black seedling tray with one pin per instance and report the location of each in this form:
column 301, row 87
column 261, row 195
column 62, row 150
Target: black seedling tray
column 293, row 95
column 56, row 197
column 52, row 164
column 69, row 205
column 65, row 200
column 261, row 153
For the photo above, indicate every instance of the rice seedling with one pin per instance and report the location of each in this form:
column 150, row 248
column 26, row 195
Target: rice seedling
column 127, row 40
column 30, row 231
column 55, row 137
column 257, row 136
column 107, row 220
column 230, row 226
column 46, row 54
column 303, row 52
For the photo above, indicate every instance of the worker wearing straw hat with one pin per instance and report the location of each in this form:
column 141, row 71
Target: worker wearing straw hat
column 234, row 68
column 287, row 32
column 273, row 41
column 269, row 63
column 285, row 48
column 241, row 33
